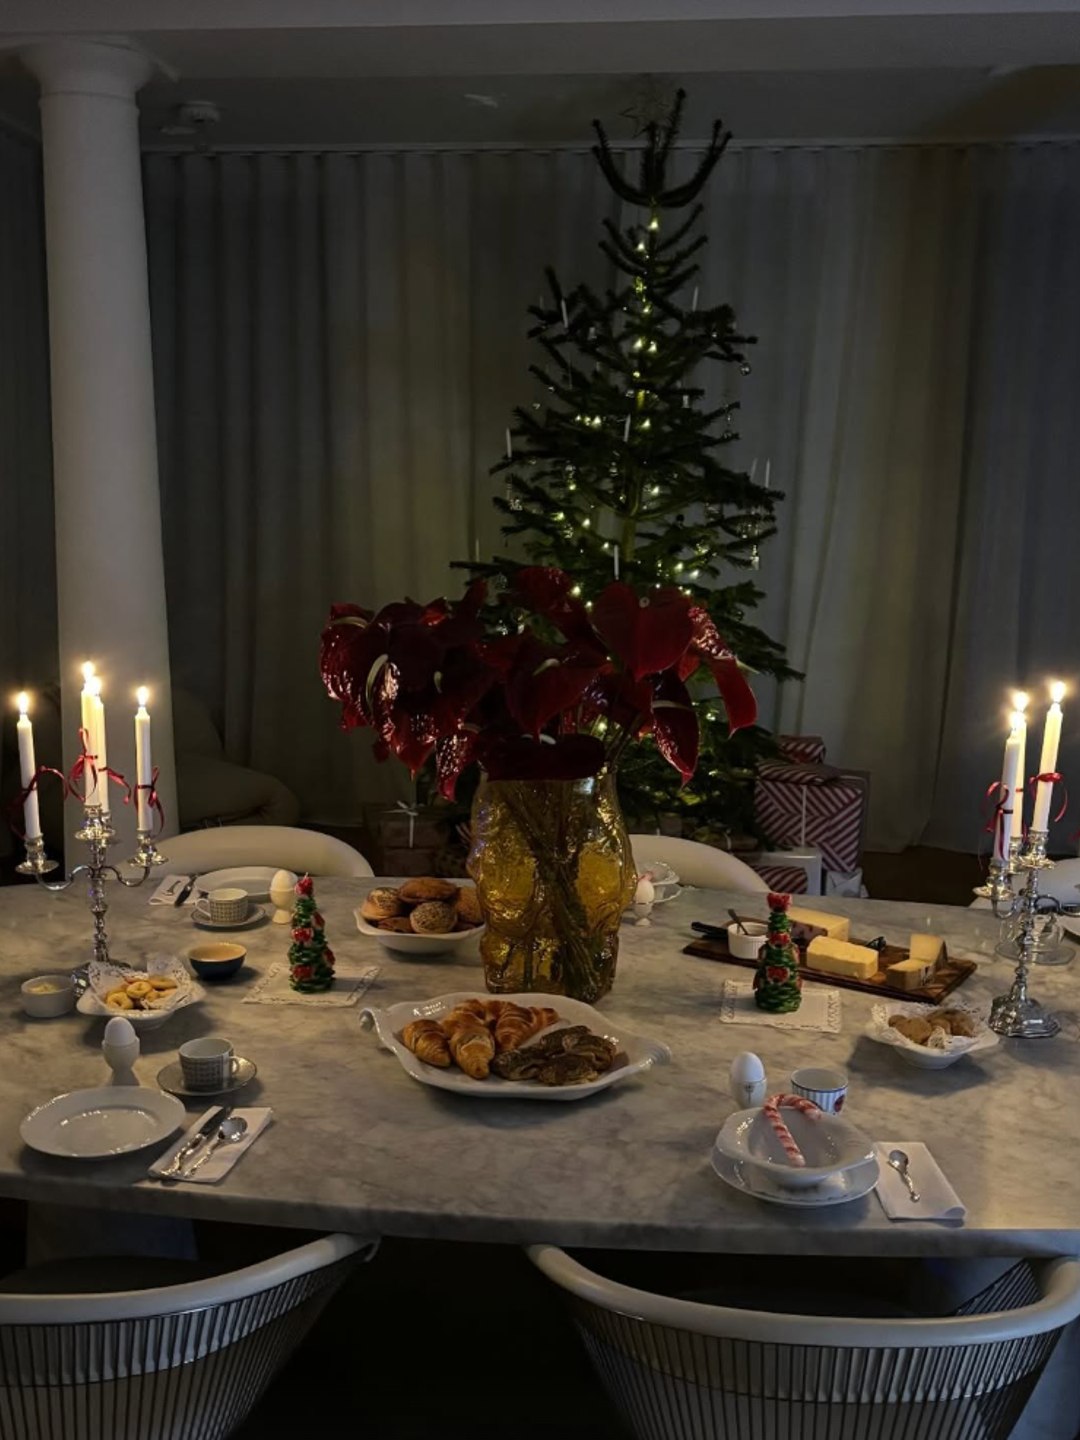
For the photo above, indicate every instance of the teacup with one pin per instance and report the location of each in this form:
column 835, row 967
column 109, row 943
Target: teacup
column 227, row 906
column 209, row 1063
column 826, row 1088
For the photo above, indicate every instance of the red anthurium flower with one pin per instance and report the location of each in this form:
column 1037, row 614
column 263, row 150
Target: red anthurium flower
column 620, row 699
column 649, row 634
column 546, row 591
column 674, row 724
column 545, row 681
column 453, row 754
column 707, row 645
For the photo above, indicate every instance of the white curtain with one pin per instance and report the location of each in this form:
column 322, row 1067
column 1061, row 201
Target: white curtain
column 339, row 340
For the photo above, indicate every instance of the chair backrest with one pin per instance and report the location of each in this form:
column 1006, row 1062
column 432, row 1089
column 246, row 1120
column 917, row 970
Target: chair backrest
column 684, row 1370
column 697, row 864
column 283, row 846
column 177, row 1362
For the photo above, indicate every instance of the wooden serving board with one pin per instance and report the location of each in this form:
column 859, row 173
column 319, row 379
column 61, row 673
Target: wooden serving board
column 949, row 974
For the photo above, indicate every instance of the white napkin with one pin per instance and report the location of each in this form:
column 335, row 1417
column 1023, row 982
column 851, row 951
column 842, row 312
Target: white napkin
column 820, row 1008
column 937, row 1199
column 224, row 1157
column 166, row 892
column 351, row 979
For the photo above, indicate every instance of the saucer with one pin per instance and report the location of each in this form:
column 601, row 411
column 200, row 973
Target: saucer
column 838, row 1189
column 171, row 1078
column 201, row 918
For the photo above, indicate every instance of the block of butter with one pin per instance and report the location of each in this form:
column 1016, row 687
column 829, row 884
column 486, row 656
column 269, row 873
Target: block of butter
column 837, row 927
column 909, row 974
column 928, row 948
column 838, row 957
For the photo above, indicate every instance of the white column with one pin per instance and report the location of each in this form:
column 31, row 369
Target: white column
column 109, row 563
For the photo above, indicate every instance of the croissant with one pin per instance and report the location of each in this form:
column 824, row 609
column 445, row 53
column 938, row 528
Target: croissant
column 425, row 1038
column 473, row 1047
column 519, row 1023
column 470, row 1012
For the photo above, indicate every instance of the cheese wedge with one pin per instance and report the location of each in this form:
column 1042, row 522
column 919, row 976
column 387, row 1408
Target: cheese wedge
column 837, row 927
column 928, row 948
column 909, row 974
column 838, row 957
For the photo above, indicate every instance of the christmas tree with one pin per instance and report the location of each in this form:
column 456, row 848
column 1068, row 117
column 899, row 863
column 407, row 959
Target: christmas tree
column 620, row 473
column 311, row 961
column 777, row 982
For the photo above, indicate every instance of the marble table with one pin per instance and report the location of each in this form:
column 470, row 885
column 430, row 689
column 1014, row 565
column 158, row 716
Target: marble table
column 357, row 1145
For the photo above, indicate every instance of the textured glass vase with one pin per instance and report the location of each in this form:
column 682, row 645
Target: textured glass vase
column 554, row 872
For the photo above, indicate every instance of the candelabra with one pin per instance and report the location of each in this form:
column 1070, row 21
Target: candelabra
column 1016, row 1013
column 97, row 832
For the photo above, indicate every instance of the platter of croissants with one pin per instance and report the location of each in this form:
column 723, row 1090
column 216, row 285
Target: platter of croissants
column 513, row 1047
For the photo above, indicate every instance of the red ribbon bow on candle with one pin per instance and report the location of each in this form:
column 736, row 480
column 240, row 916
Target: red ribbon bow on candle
column 16, row 806
column 86, row 761
column 153, row 799
column 995, row 823
column 1052, row 777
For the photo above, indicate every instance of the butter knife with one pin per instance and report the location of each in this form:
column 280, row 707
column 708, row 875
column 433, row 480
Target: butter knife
column 186, row 891
column 205, row 1130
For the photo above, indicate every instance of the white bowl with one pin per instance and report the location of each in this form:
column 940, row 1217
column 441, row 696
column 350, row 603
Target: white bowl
column 747, row 943
column 402, row 943
column 830, row 1144
column 47, row 1004
column 925, row 1057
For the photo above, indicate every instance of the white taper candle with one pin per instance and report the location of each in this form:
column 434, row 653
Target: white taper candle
column 27, row 768
column 87, row 714
column 1019, row 718
column 1044, row 790
column 144, row 765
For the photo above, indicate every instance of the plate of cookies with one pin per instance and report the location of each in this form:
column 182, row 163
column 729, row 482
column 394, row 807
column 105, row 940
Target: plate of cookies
column 512, row 1047
column 145, row 997
column 932, row 1039
column 423, row 916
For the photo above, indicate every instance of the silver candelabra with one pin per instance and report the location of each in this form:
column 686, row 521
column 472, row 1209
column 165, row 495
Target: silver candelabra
column 1016, row 1013
column 97, row 832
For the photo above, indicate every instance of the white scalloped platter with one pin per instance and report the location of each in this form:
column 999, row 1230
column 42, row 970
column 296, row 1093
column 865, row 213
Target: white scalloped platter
column 638, row 1053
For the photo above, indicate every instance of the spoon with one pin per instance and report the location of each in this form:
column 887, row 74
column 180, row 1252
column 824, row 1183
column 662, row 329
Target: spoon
column 229, row 1133
column 900, row 1162
column 738, row 923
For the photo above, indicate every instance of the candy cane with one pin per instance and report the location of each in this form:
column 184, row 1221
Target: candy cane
column 771, row 1111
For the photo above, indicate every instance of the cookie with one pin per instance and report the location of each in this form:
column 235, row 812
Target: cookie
column 162, row 982
column 468, row 905
column 433, row 917
column 381, row 903
column 139, row 989
column 398, row 923
column 426, row 887
column 119, row 1000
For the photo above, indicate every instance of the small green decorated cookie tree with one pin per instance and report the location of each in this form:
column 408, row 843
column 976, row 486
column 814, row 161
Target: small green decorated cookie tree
column 777, row 982
column 311, row 961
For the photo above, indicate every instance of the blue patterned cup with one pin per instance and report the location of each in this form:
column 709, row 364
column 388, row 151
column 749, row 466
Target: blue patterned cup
column 826, row 1088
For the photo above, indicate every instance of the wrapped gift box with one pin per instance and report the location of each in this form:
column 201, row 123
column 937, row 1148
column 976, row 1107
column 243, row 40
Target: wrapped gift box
column 804, row 863
column 784, row 879
column 799, row 802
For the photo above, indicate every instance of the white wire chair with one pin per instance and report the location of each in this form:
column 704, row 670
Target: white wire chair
column 697, row 864
column 182, row 1362
column 683, row 1370
column 285, row 846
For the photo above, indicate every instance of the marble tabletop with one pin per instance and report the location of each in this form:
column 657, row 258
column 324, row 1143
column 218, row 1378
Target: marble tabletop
column 358, row 1145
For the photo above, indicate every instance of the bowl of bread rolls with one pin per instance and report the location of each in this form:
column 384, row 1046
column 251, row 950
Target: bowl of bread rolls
column 929, row 1037
column 426, row 916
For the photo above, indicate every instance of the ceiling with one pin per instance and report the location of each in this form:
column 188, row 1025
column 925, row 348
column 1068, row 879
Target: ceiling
column 493, row 72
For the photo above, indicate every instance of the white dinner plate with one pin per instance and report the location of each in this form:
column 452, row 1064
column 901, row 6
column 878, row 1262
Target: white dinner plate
column 850, row 1184
column 96, row 1124
column 255, row 879
column 202, row 918
column 638, row 1054
column 829, row 1143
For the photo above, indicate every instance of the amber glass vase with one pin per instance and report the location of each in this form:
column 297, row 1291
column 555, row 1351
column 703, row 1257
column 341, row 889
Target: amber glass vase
column 554, row 873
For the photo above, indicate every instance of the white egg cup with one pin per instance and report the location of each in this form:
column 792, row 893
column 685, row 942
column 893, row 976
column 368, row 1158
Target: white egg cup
column 282, row 895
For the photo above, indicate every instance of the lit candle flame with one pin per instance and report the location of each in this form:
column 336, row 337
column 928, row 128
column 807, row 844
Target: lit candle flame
column 1057, row 691
column 22, row 700
column 1020, row 700
column 1016, row 719
column 87, row 670
column 142, row 695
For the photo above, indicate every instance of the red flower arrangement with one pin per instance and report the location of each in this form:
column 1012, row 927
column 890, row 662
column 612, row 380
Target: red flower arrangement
column 539, row 687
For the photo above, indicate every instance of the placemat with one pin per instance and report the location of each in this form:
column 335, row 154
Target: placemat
column 820, row 1009
column 351, row 979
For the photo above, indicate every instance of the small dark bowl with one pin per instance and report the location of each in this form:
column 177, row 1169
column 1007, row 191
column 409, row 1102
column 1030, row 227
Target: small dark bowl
column 216, row 960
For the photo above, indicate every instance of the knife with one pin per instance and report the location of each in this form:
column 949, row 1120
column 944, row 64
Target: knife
column 205, row 1130
column 186, row 891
